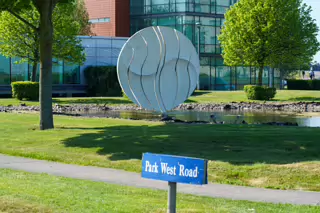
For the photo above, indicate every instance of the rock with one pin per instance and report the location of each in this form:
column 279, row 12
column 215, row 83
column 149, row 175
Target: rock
column 227, row 107
column 293, row 107
column 189, row 107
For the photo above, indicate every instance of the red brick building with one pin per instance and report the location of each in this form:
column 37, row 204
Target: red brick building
column 109, row 17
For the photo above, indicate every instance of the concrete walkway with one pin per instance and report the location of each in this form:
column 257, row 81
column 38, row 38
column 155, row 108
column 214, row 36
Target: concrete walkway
column 134, row 179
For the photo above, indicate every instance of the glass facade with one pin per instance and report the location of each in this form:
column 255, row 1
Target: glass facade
column 199, row 20
column 63, row 72
column 100, row 51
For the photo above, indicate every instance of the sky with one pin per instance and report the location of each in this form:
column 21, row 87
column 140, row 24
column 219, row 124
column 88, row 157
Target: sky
column 315, row 4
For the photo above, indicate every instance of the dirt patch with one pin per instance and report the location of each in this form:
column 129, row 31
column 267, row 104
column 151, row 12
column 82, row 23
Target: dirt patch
column 258, row 181
column 311, row 167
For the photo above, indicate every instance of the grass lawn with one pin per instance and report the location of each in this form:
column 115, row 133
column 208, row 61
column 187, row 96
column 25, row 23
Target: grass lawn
column 199, row 97
column 259, row 156
column 238, row 96
column 30, row 193
column 68, row 101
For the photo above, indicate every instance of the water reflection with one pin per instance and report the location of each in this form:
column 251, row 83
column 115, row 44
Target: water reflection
column 228, row 117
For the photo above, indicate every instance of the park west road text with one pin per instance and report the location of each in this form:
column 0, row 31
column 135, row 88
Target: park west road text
column 175, row 170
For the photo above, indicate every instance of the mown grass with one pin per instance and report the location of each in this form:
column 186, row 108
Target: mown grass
column 240, row 96
column 259, row 156
column 68, row 101
column 31, row 193
column 198, row 97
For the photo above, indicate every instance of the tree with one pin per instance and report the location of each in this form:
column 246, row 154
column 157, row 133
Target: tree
column 315, row 66
column 273, row 33
column 17, row 39
column 45, row 31
column 81, row 14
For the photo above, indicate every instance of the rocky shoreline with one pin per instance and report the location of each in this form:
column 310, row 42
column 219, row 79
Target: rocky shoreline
column 298, row 107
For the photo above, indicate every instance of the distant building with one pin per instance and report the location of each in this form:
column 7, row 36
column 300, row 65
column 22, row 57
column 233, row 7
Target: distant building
column 109, row 17
column 197, row 19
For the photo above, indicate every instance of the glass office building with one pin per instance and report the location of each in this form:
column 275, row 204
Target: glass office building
column 199, row 20
column 63, row 73
column 100, row 51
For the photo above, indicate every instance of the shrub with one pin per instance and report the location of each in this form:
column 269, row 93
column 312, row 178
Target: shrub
column 259, row 92
column 298, row 84
column 102, row 81
column 25, row 90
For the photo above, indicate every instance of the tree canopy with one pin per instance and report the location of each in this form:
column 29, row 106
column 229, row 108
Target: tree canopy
column 45, row 31
column 18, row 39
column 275, row 33
column 81, row 14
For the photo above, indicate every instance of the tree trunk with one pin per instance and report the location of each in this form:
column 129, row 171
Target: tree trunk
column 46, row 39
column 260, row 75
column 272, row 78
column 34, row 71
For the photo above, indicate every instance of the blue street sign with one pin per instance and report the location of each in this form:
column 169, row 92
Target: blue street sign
column 177, row 169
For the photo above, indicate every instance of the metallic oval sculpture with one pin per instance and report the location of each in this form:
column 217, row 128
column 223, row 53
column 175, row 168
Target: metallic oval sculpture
column 158, row 68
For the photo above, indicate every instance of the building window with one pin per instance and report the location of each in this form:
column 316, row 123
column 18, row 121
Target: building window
column 4, row 70
column 99, row 20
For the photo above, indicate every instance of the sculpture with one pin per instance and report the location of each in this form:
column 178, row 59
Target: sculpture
column 158, row 68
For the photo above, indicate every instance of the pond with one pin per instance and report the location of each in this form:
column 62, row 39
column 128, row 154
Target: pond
column 228, row 117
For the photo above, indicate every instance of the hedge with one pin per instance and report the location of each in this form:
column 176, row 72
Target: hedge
column 25, row 90
column 102, row 81
column 294, row 84
column 259, row 92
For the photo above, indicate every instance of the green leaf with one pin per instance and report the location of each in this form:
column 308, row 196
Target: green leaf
column 18, row 39
column 276, row 33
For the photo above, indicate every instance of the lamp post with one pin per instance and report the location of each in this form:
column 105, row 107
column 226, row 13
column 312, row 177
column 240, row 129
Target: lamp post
column 198, row 24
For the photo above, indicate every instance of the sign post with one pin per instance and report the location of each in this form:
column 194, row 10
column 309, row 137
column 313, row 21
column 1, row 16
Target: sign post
column 174, row 169
column 172, row 197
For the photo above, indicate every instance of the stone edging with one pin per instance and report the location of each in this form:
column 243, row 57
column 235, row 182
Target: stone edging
column 288, row 107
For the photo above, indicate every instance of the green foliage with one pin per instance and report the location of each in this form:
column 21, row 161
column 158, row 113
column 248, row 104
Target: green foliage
column 102, row 81
column 273, row 33
column 298, row 84
column 18, row 39
column 259, row 92
column 67, row 26
column 25, row 90
column 82, row 16
column 14, row 5
column 44, row 33
column 18, row 5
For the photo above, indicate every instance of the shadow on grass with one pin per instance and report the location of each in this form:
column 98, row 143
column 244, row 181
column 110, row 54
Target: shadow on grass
column 92, row 101
column 233, row 144
column 189, row 101
column 199, row 93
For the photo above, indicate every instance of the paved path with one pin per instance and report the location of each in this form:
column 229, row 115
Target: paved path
column 133, row 179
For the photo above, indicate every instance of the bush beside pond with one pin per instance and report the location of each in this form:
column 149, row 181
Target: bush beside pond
column 298, row 84
column 25, row 90
column 254, row 92
column 102, row 81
